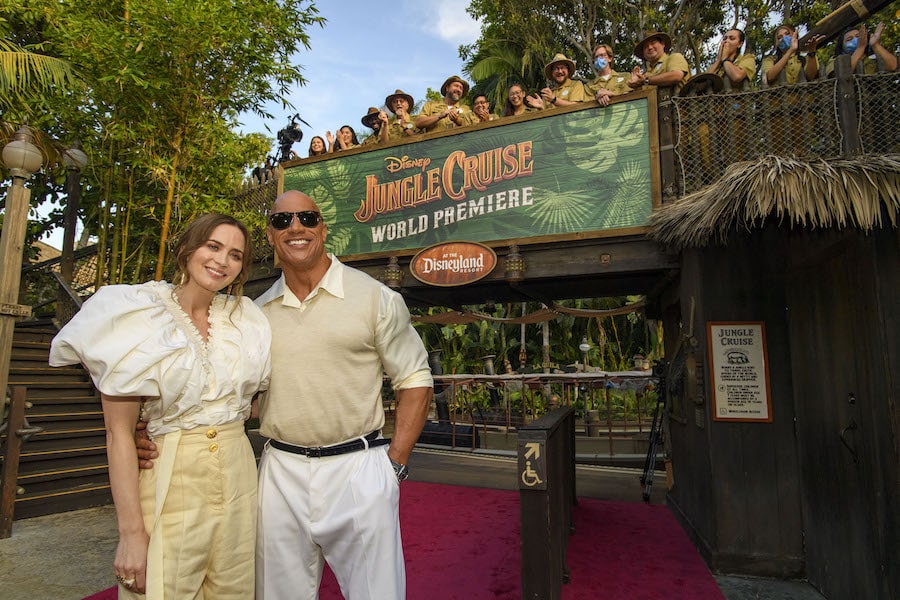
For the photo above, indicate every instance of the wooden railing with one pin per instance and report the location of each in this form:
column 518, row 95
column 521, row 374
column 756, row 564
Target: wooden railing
column 17, row 431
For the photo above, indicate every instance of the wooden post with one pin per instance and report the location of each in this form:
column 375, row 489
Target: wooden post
column 12, row 244
column 546, row 470
column 846, row 100
column 666, row 124
column 10, row 475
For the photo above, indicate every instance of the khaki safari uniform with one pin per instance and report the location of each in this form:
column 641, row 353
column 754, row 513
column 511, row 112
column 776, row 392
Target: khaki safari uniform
column 436, row 107
column 671, row 62
column 615, row 82
column 791, row 70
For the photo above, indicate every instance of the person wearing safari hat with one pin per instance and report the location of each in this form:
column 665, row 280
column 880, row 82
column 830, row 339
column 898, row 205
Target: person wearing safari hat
column 377, row 120
column 402, row 125
column 662, row 68
column 562, row 90
column 448, row 112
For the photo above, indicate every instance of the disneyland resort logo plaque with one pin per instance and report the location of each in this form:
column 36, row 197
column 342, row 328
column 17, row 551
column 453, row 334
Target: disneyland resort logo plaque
column 453, row 263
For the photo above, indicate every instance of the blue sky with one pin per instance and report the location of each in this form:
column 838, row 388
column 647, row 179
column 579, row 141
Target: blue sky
column 365, row 52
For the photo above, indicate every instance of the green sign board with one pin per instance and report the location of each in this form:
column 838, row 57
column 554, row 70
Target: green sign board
column 577, row 173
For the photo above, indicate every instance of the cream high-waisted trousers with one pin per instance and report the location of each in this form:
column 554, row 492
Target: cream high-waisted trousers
column 202, row 540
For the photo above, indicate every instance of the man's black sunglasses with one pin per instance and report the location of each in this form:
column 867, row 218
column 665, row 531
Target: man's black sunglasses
column 283, row 220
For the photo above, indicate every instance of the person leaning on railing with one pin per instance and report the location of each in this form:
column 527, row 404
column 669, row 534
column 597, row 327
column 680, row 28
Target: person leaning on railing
column 787, row 58
column 448, row 112
column 663, row 67
column 402, row 125
column 730, row 64
column 608, row 82
column 344, row 140
column 377, row 121
column 857, row 43
column 482, row 109
column 317, row 146
column 561, row 89
column 519, row 103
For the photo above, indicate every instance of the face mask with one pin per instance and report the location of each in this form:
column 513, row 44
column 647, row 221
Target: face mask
column 600, row 63
column 851, row 46
column 785, row 43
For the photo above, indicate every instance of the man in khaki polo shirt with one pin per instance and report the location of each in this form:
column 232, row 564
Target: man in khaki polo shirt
column 563, row 90
column 449, row 112
column 608, row 82
column 662, row 68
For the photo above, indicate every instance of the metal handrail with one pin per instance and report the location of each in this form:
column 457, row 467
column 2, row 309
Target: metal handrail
column 67, row 289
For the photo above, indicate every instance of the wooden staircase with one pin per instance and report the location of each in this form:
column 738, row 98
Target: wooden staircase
column 64, row 466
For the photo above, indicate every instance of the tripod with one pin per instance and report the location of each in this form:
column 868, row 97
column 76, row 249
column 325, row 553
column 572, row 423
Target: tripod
column 657, row 435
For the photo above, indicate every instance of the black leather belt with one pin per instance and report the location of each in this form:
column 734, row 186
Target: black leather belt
column 352, row 446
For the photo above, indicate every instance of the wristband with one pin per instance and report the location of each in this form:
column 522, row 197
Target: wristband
column 401, row 471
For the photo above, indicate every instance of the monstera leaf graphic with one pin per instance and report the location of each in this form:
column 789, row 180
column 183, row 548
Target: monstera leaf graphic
column 328, row 184
column 597, row 140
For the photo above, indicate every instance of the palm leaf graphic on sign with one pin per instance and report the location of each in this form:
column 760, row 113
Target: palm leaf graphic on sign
column 627, row 207
column 560, row 212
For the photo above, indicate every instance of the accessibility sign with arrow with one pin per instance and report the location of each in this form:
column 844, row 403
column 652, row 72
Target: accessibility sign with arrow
column 532, row 466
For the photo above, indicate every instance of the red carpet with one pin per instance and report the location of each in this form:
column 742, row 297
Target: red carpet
column 462, row 543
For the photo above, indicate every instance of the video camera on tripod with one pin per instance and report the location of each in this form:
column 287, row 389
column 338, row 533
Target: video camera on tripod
column 288, row 136
column 657, row 436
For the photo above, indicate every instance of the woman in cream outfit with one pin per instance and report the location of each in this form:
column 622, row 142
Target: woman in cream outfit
column 187, row 360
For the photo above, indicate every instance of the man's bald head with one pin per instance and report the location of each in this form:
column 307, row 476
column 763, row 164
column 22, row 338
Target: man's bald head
column 300, row 247
column 291, row 199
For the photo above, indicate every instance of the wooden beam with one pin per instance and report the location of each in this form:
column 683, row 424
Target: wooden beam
column 848, row 15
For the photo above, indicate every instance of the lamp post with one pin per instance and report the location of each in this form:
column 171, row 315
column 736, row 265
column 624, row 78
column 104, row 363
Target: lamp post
column 75, row 160
column 584, row 347
column 23, row 159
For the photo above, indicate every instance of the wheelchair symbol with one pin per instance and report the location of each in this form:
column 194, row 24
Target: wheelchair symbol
column 530, row 476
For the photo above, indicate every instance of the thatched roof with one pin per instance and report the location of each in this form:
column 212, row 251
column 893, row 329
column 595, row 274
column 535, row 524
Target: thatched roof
column 836, row 193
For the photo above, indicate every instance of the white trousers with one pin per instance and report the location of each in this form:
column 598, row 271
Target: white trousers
column 341, row 509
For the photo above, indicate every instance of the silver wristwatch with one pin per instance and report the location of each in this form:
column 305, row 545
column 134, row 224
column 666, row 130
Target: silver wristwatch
column 401, row 471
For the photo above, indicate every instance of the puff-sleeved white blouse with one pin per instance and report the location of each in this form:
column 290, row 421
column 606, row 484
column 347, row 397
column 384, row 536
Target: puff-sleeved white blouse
column 135, row 340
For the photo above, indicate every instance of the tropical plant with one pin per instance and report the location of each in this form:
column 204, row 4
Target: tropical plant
column 518, row 36
column 164, row 83
column 613, row 340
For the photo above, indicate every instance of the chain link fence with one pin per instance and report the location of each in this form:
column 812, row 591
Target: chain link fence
column 257, row 198
column 714, row 131
column 879, row 113
column 796, row 121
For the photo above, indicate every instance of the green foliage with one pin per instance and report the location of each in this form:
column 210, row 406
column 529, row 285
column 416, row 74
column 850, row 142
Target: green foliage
column 164, row 81
column 519, row 36
column 25, row 75
column 613, row 340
